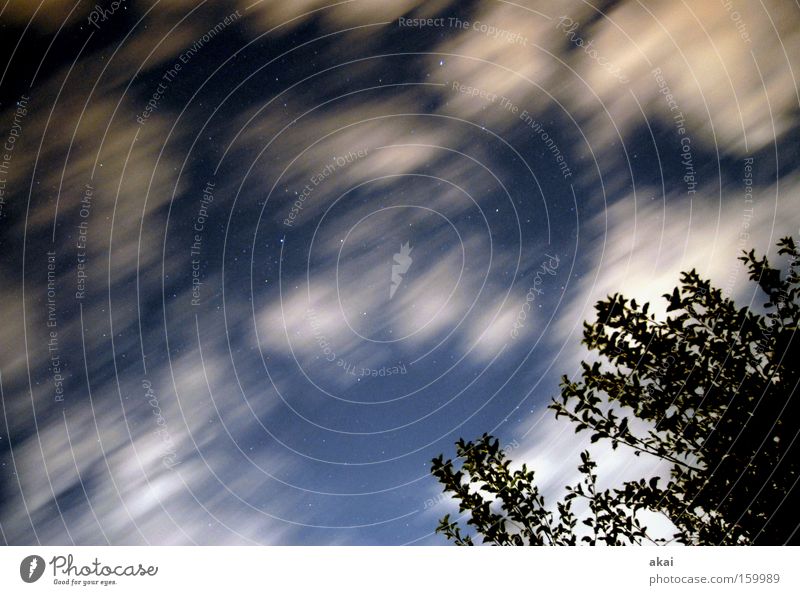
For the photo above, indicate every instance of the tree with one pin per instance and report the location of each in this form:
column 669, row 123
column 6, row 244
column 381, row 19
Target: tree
column 710, row 390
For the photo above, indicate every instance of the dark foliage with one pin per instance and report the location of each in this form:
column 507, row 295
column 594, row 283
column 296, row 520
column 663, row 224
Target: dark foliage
column 710, row 390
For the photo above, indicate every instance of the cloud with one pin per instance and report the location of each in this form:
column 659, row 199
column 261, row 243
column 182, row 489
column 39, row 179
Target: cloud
column 268, row 14
column 736, row 95
column 552, row 450
column 429, row 159
column 640, row 245
column 47, row 16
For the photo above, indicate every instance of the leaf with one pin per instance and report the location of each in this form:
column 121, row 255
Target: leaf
column 674, row 300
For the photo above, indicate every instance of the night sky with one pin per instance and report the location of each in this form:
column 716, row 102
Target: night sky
column 260, row 262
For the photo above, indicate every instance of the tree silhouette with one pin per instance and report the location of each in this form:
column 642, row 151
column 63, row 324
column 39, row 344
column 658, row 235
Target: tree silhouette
column 710, row 390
